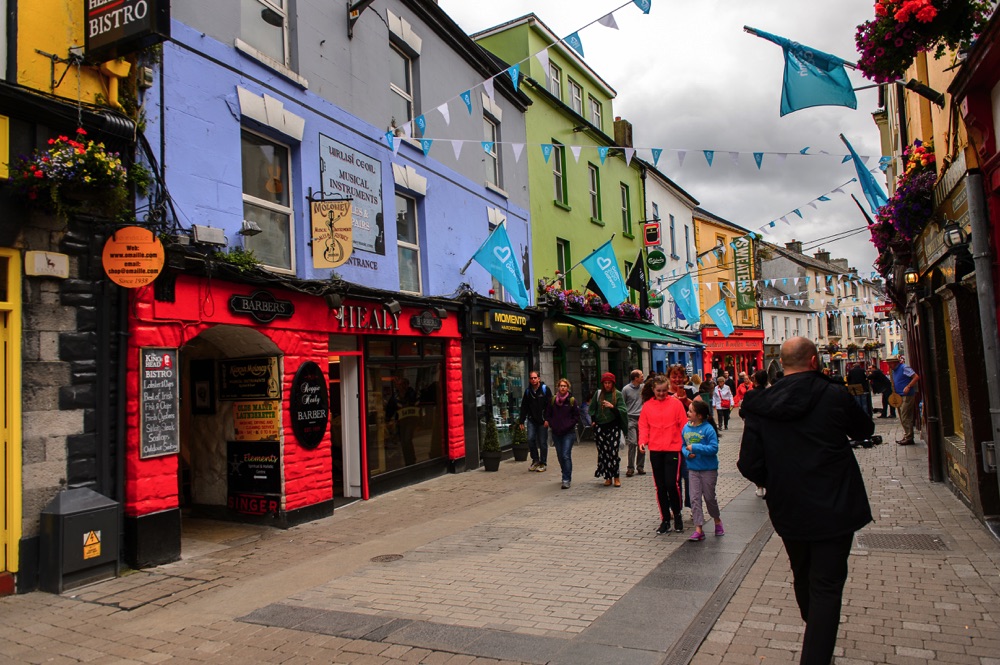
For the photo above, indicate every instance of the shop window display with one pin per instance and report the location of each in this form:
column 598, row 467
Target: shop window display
column 508, row 378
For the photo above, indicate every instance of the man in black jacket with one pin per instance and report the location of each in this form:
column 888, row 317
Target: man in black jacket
column 796, row 445
column 536, row 398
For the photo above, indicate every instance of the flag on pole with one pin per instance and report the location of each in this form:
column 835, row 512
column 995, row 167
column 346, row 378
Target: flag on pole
column 592, row 286
column 873, row 191
column 637, row 280
column 603, row 267
column 721, row 318
column 498, row 257
column 682, row 291
column 812, row 78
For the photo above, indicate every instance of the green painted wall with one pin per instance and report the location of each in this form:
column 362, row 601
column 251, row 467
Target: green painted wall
column 549, row 122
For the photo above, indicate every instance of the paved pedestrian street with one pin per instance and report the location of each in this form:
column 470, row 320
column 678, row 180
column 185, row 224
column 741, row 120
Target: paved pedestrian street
column 508, row 568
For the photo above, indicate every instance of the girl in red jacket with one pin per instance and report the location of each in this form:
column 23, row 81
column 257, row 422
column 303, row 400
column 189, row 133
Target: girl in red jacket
column 660, row 425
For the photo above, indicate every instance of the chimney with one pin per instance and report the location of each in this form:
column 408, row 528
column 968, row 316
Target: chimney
column 623, row 133
column 822, row 255
column 794, row 246
column 843, row 264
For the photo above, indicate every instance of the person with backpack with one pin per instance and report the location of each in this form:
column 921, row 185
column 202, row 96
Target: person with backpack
column 607, row 410
column 561, row 416
column 536, row 398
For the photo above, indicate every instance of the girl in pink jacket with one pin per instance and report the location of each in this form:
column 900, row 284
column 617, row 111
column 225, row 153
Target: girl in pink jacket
column 660, row 425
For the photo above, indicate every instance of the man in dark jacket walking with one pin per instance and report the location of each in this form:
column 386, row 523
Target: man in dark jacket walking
column 796, row 445
column 536, row 398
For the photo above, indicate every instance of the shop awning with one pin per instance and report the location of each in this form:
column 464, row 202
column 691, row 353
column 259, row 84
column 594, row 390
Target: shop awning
column 634, row 330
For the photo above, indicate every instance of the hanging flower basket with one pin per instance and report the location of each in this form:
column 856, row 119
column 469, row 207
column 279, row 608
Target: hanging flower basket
column 72, row 175
column 557, row 299
column 902, row 28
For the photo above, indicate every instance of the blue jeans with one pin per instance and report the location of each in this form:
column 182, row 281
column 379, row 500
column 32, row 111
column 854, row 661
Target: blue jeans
column 538, row 442
column 564, row 452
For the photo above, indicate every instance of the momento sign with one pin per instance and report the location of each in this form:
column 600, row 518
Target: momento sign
column 656, row 260
column 118, row 27
column 348, row 173
column 507, row 322
column 332, row 233
column 133, row 257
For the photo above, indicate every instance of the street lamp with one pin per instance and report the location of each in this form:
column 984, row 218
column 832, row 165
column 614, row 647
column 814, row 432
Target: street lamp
column 912, row 279
column 955, row 237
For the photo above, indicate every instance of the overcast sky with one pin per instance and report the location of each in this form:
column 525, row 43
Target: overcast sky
column 689, row 78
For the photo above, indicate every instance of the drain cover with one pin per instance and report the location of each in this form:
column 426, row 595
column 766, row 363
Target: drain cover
column 923, row 542
column 386, row 558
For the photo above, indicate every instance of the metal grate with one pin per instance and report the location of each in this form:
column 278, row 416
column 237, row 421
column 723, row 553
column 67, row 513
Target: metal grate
column 904, row 542
column 386, row 558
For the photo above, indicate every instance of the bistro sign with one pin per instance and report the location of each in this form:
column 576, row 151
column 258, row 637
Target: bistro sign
column 261, row 306
column 118, row 27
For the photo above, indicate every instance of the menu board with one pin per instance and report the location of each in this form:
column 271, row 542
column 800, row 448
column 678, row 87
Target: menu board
column 159, row 433
column 249, row 378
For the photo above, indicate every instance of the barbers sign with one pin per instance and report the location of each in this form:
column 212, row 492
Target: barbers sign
column 114, row 28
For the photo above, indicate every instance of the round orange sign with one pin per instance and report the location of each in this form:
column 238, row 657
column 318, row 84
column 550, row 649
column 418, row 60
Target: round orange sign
column 133, row 257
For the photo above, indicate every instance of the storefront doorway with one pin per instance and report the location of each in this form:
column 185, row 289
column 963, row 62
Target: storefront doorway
column 345, row 425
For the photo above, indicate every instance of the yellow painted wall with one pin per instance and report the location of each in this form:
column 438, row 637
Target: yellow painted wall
column 706, row 233
column 53, row 26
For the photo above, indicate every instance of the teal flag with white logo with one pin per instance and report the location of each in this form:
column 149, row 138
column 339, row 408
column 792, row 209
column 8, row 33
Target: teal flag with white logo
column 683, row 293
column 603, row 267
column 498, row 257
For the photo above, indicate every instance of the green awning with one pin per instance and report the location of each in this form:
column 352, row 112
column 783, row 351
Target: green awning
column 634, row 330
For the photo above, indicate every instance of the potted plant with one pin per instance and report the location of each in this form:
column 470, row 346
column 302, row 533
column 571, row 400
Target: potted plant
column 519, row 443
column 72, row 174
column 489, row 447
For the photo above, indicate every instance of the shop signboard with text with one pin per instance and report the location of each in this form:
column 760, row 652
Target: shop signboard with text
column 114, row 28
column 349, row 173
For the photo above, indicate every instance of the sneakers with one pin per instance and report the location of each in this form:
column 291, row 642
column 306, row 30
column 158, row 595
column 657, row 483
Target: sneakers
column 540, row 468
column 565, row 484
column 697, row 536
column 761, row 492
column 664, row 528
column 533, row 467
column 719, row 531
column 678, row 524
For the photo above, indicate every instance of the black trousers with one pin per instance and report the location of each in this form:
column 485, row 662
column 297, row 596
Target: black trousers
column 819, row 570
column 666, row 468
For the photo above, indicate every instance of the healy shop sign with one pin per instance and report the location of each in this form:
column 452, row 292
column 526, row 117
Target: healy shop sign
column 115, row 28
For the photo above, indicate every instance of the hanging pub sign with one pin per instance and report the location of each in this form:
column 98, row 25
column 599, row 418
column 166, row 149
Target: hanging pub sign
column 349, row 173
column 427, row 322
column 332, row 233
column 114, row 28
column 309, row 405
column 746, row 298
column 158, row 393
column 261, row 306
column 249, row 378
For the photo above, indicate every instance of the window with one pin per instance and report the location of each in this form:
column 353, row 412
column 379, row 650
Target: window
column 408, row 244
column 798, row 327
column 559, row 172
column 575, row 96
column 401, row 85
column 267, row 200
column 595, row 193
column 264, row 25
column 555, row 80
column 631, row 291
column 496, row 286
column 687, row 243
column 563, row 262
column 595, row 112
column 626, row 211
column 673, row 239
column 809, row 328
column 786, row 328
column 774, row 328
column 491, row 157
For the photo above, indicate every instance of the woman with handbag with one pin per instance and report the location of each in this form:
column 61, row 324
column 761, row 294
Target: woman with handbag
column 607, row 411
column 722, row 400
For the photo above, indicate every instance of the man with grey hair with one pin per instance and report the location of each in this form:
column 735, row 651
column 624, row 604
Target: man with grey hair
column 633, row 406
column 796, row 445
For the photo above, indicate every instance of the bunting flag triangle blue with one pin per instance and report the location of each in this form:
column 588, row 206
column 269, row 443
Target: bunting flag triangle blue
column 656, row 155
column 488, row 147
column 796, row 211
column 603, row 152
column 546, row 151
column 515, row 73
column 758, row 157
column 823, row 198
column 425, row 145
column 573, row 41
column 874, row 193
column 709, row 156
column 467, row 98
column 644, row 5
column 421, row 122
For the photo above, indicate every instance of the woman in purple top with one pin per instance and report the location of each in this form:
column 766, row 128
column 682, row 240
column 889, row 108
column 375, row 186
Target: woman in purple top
column 561, row 416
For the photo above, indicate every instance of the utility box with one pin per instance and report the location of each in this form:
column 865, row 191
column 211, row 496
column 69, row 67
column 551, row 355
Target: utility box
column 79, row 540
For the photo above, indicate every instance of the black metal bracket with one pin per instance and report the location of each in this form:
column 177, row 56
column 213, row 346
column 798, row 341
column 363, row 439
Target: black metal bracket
column 75, row 59
column 354, row 10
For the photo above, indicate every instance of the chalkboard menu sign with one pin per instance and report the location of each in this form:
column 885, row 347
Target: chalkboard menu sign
column 249, row 378
column 159, row 433
column 308, row 405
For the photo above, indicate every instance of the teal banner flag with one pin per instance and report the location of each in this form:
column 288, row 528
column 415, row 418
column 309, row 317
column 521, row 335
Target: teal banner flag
column 603, row 267
column 874, row 193
column 498, row 257
column 682, row 291
column 721, row 318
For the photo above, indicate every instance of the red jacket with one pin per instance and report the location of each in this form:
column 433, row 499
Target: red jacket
column 661, row 423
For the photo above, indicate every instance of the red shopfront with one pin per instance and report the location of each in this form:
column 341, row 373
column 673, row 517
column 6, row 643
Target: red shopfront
column 742, row 351
column 267, row 405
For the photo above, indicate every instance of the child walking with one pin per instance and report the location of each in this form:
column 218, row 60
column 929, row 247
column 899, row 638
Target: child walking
column 701, row 445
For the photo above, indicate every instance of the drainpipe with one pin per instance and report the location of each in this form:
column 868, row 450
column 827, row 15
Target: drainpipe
column 985, row 277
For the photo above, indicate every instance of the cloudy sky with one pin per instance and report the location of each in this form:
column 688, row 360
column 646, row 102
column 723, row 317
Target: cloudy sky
column 689, row 78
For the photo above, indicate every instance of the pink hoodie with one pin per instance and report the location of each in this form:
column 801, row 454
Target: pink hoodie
column 661, row 423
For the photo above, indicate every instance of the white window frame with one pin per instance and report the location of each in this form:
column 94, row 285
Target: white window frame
column 559, row 173
column 555, row 80
column 687, row 243
column 774, row 327
column 626, row 210
column 404, row 94
column 281, row 11
column 594, row 187
column 787, row 329
column 412, row 246
column 563, row 257
column 809, row 328
column 288, row 211
column 491, row 133
column 575, row 96
column 673, row 238
column 596, row 112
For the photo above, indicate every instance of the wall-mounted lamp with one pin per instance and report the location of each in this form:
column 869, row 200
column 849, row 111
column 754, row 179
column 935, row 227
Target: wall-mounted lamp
column 393, row 306
column 441, row 312
column 250, row 228
column 955, row 237
column 333, row 300
column 912, row 279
